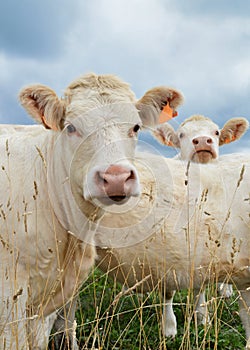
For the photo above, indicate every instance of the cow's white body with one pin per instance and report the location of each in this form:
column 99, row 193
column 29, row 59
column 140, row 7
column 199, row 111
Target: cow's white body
column 198, row 138
column 54, row 186
column 34, row 244
column 191, row 227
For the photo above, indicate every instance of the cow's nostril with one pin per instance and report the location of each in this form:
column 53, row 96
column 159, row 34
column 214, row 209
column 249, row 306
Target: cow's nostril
column 209, row 141
column 195, row 141
column 100, row 177
column 132, row 176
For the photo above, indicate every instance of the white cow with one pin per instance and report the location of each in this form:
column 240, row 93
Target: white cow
column 198, row 139
column 189, row 227
column 56, row 180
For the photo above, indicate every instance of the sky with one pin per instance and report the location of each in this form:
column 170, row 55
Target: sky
column 199, row 47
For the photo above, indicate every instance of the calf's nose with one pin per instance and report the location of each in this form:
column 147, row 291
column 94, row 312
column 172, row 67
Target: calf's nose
column 202, row 141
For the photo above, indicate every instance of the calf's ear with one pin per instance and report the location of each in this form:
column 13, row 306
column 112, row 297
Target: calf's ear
column 233, row 130
column 43, row 105
column 166, row 135
column 153, row 102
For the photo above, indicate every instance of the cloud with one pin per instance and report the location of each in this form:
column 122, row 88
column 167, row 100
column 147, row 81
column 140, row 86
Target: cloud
column 34, row 29
column 201, row 47
column 220, row 9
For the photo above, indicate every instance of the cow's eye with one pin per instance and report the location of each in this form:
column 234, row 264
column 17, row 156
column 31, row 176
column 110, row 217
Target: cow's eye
column 133, row 131
column 71, row 129
column 136, row 128
column 181, row 135
column 217, row 133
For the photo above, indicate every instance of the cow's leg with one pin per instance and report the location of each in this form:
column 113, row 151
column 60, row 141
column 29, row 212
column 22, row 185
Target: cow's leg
column 201, row 307
column 81, row 258
column 225, row 290
column 13, row 324
column 244, row 310
column 64, row 337
column 13, row 320
column 169, row 324
column 39, row 331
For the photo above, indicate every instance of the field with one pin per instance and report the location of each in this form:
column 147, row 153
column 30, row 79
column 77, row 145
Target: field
column 110, row 317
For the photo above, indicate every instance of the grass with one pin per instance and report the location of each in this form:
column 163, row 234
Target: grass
column 133, row 322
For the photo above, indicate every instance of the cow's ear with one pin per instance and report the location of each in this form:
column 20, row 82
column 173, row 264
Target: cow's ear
column 43, row 105
column 153, row 102
column 166, row 135
column 233, row 130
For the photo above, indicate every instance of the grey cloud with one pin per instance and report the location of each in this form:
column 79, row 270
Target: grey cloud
column 221, row 8
column 200, row 47
column 35, row 28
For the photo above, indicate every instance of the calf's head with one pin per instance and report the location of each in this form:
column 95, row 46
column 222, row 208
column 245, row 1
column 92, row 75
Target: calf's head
column 94, row 127
column 199, row 138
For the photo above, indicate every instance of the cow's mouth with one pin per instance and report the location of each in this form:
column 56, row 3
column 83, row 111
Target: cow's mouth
column 203, row 156
column 117, row 198
column 204, row 151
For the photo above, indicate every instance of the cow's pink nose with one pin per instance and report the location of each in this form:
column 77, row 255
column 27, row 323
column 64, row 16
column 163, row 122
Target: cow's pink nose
column 116, row 182
column 202, row 140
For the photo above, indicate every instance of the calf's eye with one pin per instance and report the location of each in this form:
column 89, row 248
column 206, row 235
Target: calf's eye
column 217, row 133
column 136, row 128
column 71, row 129
column 181, row 135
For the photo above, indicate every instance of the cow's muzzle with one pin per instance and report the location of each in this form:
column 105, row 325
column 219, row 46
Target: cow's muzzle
column 114, row 184
column 204, row 150
column 117, row 182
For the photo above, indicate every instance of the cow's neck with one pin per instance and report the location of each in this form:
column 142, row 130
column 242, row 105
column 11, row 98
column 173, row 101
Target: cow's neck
column 76, row 215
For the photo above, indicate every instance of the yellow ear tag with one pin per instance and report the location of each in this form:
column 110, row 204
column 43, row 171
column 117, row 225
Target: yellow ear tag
column 166, row 114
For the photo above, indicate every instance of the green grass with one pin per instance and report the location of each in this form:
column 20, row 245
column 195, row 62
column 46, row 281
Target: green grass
column 128, row 321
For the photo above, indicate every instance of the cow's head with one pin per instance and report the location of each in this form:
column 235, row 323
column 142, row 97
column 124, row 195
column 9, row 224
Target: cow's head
column 199, row 138
column 98, row 120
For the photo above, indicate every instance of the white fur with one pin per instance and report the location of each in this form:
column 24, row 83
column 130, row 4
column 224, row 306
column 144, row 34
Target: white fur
column 199, row 133
column 193, row 228
column 47, row 227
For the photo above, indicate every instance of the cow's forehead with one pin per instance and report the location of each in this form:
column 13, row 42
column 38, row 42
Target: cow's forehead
column 87, row 118
column 99, row 96
column 197, row 126
column 95, row 98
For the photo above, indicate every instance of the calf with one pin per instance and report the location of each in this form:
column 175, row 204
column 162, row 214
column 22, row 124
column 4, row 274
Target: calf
column 198, row 139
